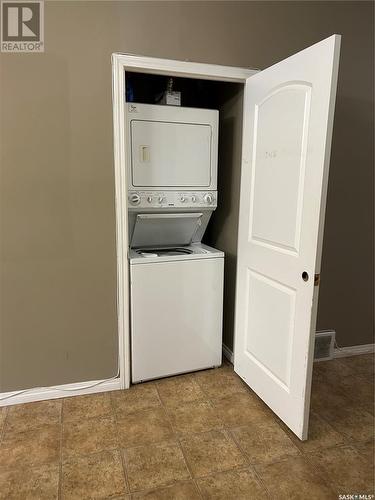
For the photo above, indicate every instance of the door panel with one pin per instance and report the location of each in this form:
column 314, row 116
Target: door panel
column 264, row 294
column 288, row 116
column 279, row 151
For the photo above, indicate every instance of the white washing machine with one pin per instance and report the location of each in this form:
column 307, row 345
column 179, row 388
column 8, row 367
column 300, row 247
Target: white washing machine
column 176, row 310
column 176, row 289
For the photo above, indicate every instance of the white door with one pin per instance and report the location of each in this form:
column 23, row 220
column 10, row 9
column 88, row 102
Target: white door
column 288, row 117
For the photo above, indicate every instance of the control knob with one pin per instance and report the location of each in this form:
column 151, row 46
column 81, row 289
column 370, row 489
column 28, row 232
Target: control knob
column 135, row 199
column 208, row 198
column 149, row 199
column 182, row 199
column 193, row 199
column 161, row 199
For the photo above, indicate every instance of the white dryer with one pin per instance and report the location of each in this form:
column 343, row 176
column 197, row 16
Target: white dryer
column 171, row 148
column 176, row 310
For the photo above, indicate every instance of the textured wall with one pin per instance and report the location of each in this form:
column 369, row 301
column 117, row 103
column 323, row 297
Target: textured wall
column 58, row 267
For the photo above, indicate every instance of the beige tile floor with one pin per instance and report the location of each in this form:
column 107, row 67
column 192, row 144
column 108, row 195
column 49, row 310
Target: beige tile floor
column 203, row 435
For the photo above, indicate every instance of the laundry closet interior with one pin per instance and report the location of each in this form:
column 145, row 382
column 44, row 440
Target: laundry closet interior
column 227, row 99
column 221, row 180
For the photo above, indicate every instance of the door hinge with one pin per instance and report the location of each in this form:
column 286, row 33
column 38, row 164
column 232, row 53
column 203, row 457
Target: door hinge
column 316, row 279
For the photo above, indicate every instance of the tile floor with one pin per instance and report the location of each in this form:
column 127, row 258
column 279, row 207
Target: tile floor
column 204, row 435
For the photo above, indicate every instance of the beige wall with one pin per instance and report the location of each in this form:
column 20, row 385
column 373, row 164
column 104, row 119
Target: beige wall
column 58, row 269
column 223, row 227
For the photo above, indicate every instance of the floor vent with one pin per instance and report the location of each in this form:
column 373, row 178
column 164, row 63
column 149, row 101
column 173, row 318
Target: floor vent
column 324, row 345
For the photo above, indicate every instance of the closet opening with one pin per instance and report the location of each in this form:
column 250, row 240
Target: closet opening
column 227, row 98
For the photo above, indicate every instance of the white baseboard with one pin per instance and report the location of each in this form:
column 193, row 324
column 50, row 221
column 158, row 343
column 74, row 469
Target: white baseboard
column 341, row 352
column 228, row 354
column 355, row 350
column 60, row 391
column 95, row 386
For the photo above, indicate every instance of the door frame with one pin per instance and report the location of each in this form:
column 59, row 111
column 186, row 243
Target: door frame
column 151, row 65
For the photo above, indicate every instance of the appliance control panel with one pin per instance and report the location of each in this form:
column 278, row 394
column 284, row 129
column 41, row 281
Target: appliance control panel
column 170, row 199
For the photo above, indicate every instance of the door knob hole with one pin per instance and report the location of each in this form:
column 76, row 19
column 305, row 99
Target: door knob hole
column 305, row 276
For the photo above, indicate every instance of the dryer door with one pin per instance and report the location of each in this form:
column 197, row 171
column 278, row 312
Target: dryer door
column 170, row 154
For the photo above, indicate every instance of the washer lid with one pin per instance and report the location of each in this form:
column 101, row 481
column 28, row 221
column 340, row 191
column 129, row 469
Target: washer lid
column 162, row 230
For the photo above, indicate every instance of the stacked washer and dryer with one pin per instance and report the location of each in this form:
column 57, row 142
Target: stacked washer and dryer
column 176, row 282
